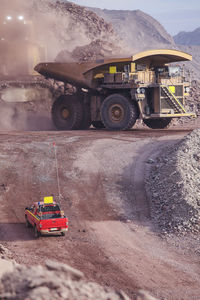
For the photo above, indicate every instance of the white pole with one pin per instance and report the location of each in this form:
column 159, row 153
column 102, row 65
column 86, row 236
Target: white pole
column 58, row 182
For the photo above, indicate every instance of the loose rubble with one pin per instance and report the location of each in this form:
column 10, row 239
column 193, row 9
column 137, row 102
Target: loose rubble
column 193, row 101
column 173, row 184
column 97, row 49
column 56, row 281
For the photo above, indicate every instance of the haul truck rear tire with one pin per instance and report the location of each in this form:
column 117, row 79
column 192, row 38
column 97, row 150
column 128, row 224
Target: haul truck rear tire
column 157, row 123
column 67, row 113
column 118, row 113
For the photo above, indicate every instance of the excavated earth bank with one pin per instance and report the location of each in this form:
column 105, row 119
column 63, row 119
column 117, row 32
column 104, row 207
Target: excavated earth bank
column 174, row 187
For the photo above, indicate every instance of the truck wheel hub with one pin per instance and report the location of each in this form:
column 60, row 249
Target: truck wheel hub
column 65, row 113
column 116, row 113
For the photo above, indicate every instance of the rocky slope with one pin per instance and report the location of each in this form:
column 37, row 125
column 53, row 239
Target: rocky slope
column 174, row 187
column 138, row 30
column 188, row 38
column 60, row 25
column 194, row 65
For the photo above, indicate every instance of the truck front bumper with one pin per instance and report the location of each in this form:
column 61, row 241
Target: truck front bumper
column 50, row 231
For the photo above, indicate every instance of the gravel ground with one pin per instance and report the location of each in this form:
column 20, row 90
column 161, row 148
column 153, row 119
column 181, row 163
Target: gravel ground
column 173, row 185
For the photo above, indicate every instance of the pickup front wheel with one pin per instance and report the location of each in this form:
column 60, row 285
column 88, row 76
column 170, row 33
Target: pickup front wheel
column 36, row 232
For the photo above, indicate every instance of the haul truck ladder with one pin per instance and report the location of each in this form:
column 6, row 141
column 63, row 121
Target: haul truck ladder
column 172, row 100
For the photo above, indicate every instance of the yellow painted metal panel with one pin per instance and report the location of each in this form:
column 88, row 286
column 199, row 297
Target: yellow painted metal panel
column 48, row 200
column 112, row 69
column 173, row 55
column 132, row 67
column 172, row 89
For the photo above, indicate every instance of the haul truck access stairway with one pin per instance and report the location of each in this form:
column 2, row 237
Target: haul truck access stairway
column 114, row 93
column 172, row 100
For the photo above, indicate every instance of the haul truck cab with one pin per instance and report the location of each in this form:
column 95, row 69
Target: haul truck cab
column 114, row 93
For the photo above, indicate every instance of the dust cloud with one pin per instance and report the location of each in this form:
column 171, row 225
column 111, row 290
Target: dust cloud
column 32, row 31
column 14, row 117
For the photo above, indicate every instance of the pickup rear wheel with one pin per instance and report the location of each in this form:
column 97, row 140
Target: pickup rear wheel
column 27, row 223
column 118, row 112
column 36, row 232
column 67, row 113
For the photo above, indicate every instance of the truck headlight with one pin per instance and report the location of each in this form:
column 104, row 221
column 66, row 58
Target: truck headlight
column 187, row 89
column 21, row 18
column 9, row 18
column 140, row 90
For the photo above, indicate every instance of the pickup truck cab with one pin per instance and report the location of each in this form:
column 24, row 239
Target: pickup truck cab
column 46, row 218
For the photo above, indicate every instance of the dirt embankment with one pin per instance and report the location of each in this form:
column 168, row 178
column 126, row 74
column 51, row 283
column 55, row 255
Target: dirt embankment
column 174, row 186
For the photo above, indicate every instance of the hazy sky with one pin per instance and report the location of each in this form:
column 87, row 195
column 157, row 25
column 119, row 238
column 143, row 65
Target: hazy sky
column 174, row 15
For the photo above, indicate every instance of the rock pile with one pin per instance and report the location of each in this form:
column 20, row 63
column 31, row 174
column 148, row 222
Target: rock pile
column 173, row 184
column 96, row 50
column 56, row 281
column 193, row 100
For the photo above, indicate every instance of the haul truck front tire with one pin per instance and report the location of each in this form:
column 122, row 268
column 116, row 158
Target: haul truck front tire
column 67, row 113
column 118, row 113
column 157, row 123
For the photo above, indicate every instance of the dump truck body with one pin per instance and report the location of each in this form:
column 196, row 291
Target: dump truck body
column 144, row 85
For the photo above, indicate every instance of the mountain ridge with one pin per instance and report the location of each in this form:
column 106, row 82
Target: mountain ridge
column 189, row 38
column 136, row 26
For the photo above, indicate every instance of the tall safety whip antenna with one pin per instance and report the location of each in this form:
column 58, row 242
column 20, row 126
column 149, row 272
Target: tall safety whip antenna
column 57, row 174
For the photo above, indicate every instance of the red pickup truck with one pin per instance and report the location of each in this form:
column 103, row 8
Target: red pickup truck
column 46, row 219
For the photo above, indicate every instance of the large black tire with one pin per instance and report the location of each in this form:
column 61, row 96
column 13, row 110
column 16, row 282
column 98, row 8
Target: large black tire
column 98, row 124
column 157, row 123
column 118, row 113
column 67, row 112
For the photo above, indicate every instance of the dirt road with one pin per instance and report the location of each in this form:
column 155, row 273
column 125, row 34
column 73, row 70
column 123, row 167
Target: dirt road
column 102, row 178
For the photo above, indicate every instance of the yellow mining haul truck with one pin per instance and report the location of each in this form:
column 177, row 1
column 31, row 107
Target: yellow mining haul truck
column 115, row 93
